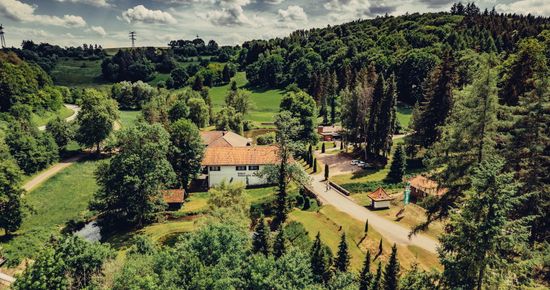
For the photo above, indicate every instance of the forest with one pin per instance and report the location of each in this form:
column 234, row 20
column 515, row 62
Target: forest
column 476, row 88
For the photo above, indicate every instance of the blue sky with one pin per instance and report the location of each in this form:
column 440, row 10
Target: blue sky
column 107, row 22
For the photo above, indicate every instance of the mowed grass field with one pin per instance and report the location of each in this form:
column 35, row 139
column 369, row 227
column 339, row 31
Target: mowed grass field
column 128, row 118
column 404, row 115
column 58, row 200
column 265, row 103
column 331, row 223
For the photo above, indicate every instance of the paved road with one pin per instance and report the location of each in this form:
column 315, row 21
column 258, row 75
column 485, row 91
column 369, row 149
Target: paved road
column 389, row 230
column 72, row 117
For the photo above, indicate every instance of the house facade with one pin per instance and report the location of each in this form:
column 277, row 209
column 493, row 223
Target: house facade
column 238, row 164
column 330, row 133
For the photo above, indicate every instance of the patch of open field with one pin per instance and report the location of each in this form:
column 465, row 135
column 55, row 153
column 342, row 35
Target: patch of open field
column 128, row 118
column 61, row 198
column 265, row 102
column 44, row 118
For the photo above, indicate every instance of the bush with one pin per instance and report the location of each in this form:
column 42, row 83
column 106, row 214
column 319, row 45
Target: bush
column 266, row 139
column 370, row 186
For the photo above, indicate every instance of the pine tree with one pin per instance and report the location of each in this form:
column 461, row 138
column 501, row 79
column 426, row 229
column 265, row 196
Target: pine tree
column 320, row 260
column 527, row 155
column 326, row 172
column 314, row 165
column 366, row 277
column 323, row 148
column 342, row 260
column 478, row 251
column 467, row 138
column 279, row 247
column 386, row 119
column 260, row 240
column 197, row 84
column 310, row 155
column 398, row 165
column 377, row 278
column 374, row 118
column 436, row 104
column 391, row 273
column 234, row 86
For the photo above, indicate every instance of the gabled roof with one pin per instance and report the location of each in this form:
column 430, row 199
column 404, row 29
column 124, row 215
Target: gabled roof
column 425, row 184
column 329, row 130
column 379, row 195
column 173, row 195
column 224, row 139
column 250, row 155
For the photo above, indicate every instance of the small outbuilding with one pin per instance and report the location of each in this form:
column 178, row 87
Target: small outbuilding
column 380, row 199
column 422, row 186
column 330, row 133
column 174, row 198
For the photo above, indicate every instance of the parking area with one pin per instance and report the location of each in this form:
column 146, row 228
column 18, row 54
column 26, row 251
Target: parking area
column 339, row 163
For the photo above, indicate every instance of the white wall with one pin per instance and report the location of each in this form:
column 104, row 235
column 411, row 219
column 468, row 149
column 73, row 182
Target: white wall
column 230, row 174
column 381, row 204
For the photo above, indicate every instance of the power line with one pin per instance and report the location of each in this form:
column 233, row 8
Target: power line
column 133, row 38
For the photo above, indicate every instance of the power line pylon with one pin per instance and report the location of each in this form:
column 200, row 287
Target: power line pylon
column 2, row 39
column 133, row 38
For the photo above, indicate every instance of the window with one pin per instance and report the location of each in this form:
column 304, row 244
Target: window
column 253, row 167
column 241, row 168
column 215, row 168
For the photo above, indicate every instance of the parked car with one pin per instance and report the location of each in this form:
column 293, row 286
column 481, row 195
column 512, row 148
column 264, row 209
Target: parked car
column 354, row 162
column 361, row 163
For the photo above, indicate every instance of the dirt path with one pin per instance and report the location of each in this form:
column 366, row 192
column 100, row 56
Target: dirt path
column 389, row 230
column 53, row 170
column 72, row 117
column 6, row 279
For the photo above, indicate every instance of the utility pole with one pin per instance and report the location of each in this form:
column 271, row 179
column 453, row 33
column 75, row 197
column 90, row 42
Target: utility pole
column 133, row 38
column 2, row 39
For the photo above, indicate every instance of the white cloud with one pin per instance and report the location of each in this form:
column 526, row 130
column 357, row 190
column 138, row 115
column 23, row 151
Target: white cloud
column 273, row 2
column 22, row 12
column 292, row 13
column 98, row 30
column 140, row 14
column 96, row 3
column 535, row 7
column 230, row 16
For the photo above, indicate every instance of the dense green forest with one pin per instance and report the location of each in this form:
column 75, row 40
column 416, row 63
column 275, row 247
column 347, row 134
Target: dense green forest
column 478, row 85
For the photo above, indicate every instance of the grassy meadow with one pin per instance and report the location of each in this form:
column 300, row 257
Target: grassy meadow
column 44, row 118
column 61, row 198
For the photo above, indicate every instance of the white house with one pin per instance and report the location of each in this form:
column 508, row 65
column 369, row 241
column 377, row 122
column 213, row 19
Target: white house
column 238, row 164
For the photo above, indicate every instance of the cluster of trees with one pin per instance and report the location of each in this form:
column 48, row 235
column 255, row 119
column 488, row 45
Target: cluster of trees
column 197, row 47
column 128, row 65
column 486, row 142
column 27, row 84
column 408, row 46
column 46, row 55
column 205, row 74
column 368, row 113
column 132, row 96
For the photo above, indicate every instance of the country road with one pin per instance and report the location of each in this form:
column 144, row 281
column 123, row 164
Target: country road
column 51, row 171
column 390, row 231
column 72, row 117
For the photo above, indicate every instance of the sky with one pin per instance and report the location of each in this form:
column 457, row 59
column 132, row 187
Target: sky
column 229, row 22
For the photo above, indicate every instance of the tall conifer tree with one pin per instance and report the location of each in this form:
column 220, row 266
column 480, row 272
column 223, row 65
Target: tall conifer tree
column 342, row 260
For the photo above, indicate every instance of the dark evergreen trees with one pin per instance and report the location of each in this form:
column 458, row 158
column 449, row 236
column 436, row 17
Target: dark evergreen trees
column 366, row 277
column 279, row 247
column 260, row 239
column 321, row 260
column 433, row 109
column 341, row 263
column 398, row 165
column 391, row 273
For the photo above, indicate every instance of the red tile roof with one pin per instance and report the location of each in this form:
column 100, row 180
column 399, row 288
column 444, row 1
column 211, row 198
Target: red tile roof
column 173, row 195
column 379, row 195
column 251, row 155
column 427, row 185
column 223, row 139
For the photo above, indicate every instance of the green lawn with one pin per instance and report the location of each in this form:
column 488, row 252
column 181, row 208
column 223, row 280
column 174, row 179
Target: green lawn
column 198, row 201
column 72, row 72
column 128, row 118
column 404, row 115
column 265, row 102
column 43, row 119
column 63, row 197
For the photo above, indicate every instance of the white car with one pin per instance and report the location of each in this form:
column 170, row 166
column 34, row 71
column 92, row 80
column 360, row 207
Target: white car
column 354, row 162
column 360, row 163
